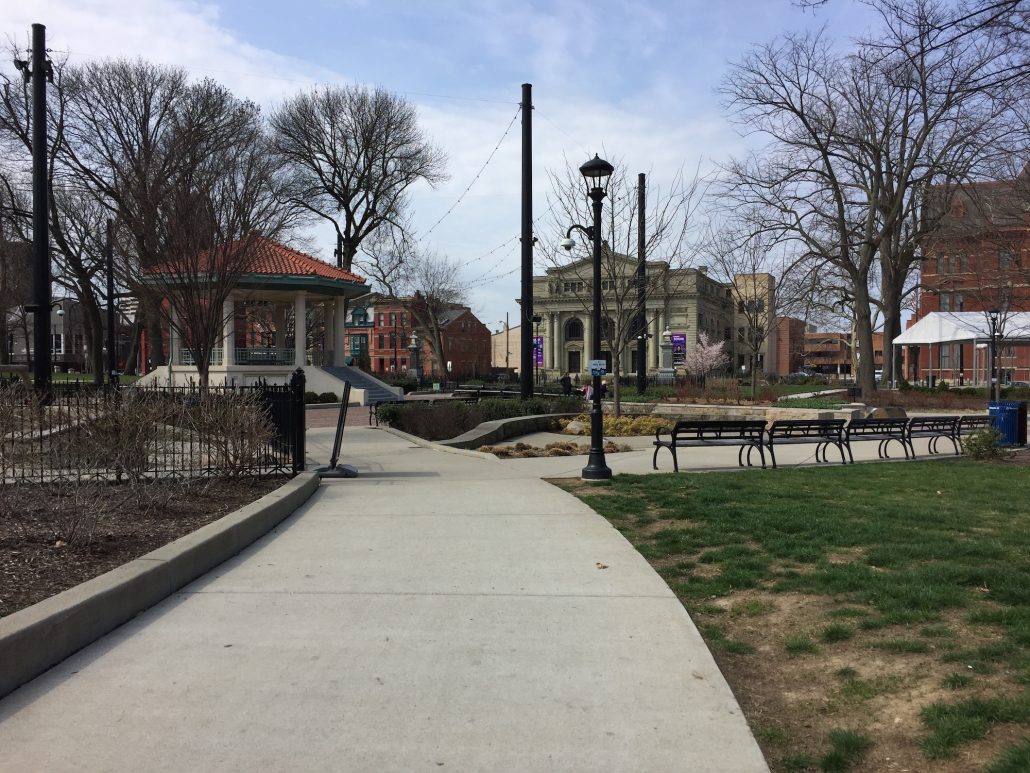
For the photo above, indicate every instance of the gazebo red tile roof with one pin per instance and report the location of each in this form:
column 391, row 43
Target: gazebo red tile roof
column 270, row 257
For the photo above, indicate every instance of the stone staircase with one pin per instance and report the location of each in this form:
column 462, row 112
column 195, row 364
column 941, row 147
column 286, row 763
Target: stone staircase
column 375, row 390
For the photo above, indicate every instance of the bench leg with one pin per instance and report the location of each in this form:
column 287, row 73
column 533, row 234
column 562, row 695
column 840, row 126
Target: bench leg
column 772, row 454
column 840, row 447
column 761, row 453
column 851, row 456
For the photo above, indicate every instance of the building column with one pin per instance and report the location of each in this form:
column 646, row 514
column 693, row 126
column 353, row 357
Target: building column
column 654, row 349
column 555, row 323
column 300, row 330
column 228, row 332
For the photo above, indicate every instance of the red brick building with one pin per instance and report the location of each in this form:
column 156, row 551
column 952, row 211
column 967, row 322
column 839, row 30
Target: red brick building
column 381, row 329
column 979, row 260
column 790, row 345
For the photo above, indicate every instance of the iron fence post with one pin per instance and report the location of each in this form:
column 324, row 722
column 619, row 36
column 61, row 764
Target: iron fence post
column 297, row 382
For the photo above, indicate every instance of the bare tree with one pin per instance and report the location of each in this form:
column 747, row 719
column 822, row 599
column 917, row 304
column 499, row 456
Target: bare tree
column 671, row 244
column 354, row 153
column 856, row 140
column 430, row 289
column 743, row 259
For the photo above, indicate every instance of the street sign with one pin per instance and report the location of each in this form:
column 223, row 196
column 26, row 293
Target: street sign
column 596, row 367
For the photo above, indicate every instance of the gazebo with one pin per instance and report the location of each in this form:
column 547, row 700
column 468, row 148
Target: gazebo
column 266, row 334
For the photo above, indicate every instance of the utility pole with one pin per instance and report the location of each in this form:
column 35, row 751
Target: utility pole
column 39, row 72
column 641, row 324
column 112, row 354
column 507, row 346
column 526, row 358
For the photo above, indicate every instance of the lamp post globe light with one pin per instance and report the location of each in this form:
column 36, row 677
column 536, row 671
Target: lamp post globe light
column 596, row 173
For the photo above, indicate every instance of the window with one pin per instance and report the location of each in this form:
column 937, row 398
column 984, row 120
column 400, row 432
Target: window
column 959, row 301
column 965, row 264
column 1004, row 258
column 574, row 330
column 393, row 340
column 954, row 264
column 945, row 302
column 942, row 265
column 57, row 345
column 379, row 342
column 393, row 319
column 608, row 284
column 572, row 287
column 359, row 316
column 945, row 363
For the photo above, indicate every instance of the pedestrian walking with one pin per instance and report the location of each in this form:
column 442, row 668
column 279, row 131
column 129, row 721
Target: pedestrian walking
column 566, row 384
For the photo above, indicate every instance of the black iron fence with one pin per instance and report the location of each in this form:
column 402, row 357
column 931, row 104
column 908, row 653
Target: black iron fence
column 82, row 431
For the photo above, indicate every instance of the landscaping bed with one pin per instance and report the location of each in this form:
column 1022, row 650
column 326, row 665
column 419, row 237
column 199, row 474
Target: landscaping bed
column 868, row 618
column 53, row 537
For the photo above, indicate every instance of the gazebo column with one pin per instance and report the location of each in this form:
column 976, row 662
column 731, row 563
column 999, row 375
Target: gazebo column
column 300, row 330
column 339, row 318
column 328, row 333
column 173, row 337
column 228, row 332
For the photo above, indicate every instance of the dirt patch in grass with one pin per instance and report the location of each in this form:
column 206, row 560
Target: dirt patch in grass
column 812, row 639
column 53, row 538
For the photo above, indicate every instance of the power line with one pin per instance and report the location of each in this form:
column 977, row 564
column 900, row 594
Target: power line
column 476, row 178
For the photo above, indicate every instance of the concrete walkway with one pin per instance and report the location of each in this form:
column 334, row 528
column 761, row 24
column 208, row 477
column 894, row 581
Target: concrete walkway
column 443, row 611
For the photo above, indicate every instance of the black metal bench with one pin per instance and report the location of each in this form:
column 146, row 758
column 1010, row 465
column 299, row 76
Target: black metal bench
column 884, row 430
column 935, row 429
column 746, row 433
column 823, row 432
column 967, row 425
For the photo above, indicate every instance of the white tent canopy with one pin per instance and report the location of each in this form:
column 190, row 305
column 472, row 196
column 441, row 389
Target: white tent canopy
column 948, row 326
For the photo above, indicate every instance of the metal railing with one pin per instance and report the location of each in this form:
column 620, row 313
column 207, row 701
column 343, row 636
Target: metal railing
column 186, row 356
column 264, row 355
column 82, row 431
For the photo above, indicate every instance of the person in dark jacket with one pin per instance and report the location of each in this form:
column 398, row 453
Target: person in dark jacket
column 566, row 384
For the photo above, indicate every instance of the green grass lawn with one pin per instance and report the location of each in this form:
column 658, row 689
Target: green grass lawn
column 925, row 564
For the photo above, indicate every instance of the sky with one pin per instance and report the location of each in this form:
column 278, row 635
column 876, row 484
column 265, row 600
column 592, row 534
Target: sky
column 635, row 81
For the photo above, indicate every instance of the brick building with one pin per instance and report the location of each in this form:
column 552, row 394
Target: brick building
column 978, row 260
column 790, row 345
column 381, row 328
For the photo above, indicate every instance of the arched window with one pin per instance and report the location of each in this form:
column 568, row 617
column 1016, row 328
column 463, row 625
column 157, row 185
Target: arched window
column 574, row 330
column 607, row 328
column 359, row 316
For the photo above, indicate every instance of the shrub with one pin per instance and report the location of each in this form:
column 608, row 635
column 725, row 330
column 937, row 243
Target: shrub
column 983, row 444
column 310, row 397
column 328, row 397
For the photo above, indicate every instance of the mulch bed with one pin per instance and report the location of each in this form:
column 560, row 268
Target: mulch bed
column 55, row 537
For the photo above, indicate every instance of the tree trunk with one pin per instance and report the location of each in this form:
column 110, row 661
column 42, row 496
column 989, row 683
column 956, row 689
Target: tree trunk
column 866, row 377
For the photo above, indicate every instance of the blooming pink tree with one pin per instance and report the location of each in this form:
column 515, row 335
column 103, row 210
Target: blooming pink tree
column 706, row 357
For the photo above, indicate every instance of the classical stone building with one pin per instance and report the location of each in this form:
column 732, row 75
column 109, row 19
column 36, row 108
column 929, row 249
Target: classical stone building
column 682, row 301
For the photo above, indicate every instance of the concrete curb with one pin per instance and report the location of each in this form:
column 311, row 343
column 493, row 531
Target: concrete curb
column 38, row 637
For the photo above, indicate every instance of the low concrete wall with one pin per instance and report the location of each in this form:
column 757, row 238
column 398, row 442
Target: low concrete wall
column 710, row 412
column 38, row 637
column 496, row 431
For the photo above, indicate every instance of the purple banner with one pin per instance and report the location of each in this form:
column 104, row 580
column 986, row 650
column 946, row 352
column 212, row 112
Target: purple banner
column 679, row 348
column 538, row 350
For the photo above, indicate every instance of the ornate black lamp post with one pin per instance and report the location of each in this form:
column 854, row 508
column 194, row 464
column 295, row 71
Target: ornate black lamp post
column 994, row 384
column 596, row 172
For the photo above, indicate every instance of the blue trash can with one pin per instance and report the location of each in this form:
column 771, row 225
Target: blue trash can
column 1006, row 420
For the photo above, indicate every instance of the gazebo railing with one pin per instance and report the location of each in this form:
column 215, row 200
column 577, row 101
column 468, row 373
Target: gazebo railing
column 186, row 356
column 264, row 355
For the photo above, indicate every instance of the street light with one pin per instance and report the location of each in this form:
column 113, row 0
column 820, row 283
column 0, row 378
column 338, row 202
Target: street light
column 992, row 317
column 596, row 173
